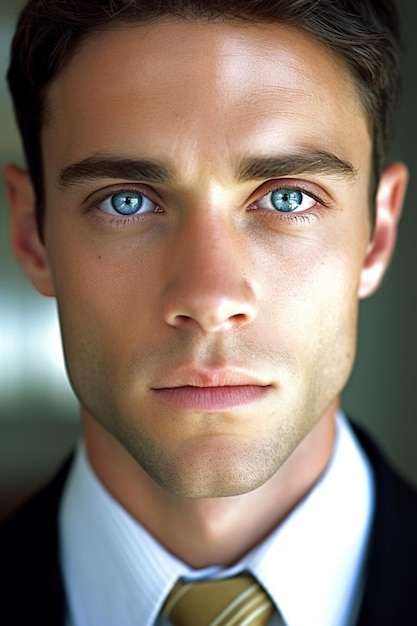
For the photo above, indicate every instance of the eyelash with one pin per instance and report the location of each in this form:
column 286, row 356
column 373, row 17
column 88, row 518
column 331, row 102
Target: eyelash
column 92, row 208
column 124, row 221
column 313, row 213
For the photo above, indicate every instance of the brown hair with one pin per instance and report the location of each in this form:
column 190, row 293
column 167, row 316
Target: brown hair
column 364, row 33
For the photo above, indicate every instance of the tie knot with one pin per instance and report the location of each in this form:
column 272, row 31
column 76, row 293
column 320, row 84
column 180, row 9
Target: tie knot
column 238, row 601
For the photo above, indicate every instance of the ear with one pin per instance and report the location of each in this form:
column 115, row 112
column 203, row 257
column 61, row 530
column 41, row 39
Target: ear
column 25, row 240
column 389, row 202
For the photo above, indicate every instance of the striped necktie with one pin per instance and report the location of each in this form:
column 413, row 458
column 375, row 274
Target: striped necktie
column 238, row 601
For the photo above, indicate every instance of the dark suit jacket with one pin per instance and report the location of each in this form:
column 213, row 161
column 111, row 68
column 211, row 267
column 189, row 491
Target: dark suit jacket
column 31, row 587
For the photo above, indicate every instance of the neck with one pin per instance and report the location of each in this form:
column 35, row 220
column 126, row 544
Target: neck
column 209, row 531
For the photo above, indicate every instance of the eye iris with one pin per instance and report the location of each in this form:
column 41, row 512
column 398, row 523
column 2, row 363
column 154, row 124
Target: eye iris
column 286, row 200
column 126, row 204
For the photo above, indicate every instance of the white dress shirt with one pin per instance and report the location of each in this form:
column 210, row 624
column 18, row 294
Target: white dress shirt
column 116, row 574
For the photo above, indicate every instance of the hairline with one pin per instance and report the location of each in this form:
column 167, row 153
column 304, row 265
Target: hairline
column 113, row 23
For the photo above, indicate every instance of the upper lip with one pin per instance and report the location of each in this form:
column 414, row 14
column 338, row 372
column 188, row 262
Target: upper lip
column 208, row 377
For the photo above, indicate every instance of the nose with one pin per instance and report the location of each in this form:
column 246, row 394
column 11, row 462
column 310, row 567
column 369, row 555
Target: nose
column 208, row 287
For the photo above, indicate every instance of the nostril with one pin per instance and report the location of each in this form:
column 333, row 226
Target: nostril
column 239, row 319
column 210, row 322
column 184, row 320
column 223, row 302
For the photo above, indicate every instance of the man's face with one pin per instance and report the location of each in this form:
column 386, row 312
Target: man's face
column 207, row 254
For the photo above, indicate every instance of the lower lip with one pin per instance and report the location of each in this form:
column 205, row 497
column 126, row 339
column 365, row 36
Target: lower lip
column 212, row 398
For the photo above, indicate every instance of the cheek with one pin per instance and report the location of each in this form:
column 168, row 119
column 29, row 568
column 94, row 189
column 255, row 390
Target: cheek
column 311, row 305
column 102, row 284
column 103, row 302
column 309, row 279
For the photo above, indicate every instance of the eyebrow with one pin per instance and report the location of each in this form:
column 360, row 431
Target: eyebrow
column 309, row 162
column 104, row 166
column 251, row 168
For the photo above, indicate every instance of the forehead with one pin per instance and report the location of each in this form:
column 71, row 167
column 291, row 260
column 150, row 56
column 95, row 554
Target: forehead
column 211, row 85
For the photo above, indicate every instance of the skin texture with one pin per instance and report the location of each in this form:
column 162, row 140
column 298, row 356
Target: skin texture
column 211, row 287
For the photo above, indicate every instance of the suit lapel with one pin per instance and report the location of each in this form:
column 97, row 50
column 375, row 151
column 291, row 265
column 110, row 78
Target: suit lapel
column 29, row 547
column 390, row 596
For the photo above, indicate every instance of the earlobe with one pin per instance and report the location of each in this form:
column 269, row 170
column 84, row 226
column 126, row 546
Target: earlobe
column 389, row 202
column 25, row 240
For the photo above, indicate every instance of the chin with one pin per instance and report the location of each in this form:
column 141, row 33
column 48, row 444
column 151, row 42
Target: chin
column 217, row 469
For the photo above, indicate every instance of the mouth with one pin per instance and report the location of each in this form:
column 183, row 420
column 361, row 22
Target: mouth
column 211, row 398
column 210, row 389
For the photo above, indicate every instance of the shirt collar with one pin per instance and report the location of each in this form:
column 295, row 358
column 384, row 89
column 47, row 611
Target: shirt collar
column 116, row 572
column 312, row 564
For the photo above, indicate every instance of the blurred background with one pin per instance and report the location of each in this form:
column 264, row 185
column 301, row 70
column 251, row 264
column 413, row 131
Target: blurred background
column 38, row 413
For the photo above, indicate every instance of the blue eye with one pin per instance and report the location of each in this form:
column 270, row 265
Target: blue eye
column 286, row 201
column 127, row 203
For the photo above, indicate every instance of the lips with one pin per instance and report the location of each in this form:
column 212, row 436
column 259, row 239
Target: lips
column 211, row 398
column 210, row 389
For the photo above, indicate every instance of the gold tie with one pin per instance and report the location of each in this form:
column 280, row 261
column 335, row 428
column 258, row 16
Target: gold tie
column 238, row 601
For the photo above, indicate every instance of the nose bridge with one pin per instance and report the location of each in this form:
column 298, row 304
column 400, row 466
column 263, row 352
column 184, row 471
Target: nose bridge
column 212, row 248
column 208, row 285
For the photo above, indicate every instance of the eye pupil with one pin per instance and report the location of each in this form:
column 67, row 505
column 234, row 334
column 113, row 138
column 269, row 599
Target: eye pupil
column 126, row 204
column 286, row 200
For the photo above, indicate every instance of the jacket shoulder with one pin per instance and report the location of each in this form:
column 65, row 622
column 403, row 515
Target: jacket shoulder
column 30, row 577
column 389, row 596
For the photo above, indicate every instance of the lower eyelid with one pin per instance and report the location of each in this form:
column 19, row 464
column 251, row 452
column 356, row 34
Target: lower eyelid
column 294, row 218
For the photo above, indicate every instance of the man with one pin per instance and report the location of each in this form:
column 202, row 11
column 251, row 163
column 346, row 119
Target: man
column 207, row 200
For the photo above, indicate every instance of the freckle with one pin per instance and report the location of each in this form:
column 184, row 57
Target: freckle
column 99, row 258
